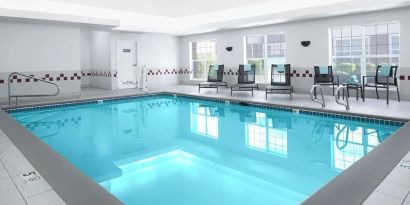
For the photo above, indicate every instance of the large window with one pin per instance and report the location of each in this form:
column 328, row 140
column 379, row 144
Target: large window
column 202, row 55
column 203, row 122
column 357, row 50
column 263, row 51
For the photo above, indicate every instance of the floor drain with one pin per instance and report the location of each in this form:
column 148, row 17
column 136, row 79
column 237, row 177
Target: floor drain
column 29, row 177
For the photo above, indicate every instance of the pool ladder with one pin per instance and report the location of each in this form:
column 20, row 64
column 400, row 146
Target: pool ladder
column 337, row 97
column 313, row 95
column 29, row 95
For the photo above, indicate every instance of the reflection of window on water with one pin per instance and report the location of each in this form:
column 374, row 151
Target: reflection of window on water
column 202, row 122
column 351, row 143
column 262, row 136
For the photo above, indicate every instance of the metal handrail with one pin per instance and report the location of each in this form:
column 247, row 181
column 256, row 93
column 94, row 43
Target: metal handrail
column 347, row 97
column 321, row 92
column 29, row 95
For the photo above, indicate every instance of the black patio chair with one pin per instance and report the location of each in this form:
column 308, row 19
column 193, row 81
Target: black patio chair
column 324, row 76
column 386, row 76
column 215, row 77
column 246, row 79
column 280, row 80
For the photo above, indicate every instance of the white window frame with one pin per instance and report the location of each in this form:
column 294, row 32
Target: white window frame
column 363, row 57
column 191, row 61
column 207, row 128
column 265, row 58
column 269, row 138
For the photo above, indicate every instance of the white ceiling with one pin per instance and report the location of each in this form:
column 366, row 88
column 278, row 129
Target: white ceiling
column 166, row 8
column 183, row 17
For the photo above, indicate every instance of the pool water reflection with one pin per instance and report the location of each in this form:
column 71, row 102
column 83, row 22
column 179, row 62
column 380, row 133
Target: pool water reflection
column 165, row 150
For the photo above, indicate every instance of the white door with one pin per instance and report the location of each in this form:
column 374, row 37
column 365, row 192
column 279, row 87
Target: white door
column 127, row 64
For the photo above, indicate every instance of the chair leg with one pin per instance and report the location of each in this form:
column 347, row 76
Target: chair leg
column 387, row 93
column 252, row 92
column 361, row 92
column 333, row 89
column 398, row 93
column 231, row 91
column 357, row 93
column 314, row 91
column 377, row 93
column 266, row 94
column 199, row 89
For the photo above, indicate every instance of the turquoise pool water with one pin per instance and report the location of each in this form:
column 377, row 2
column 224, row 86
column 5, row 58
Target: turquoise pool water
column 167, row 150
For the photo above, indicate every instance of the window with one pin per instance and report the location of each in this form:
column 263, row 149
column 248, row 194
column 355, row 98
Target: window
column 263, row 51
column 382, row 45
column 202, row 122
column 202, row 55
column 263, row 136
column 357, row 50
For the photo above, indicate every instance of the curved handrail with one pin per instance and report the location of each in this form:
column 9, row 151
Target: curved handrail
column 321, row 93
column 31, row 77
column 347, row 106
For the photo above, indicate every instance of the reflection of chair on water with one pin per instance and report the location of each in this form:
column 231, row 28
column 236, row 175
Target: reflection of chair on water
column 279, row 121
column 214, row 111
column 245, row 115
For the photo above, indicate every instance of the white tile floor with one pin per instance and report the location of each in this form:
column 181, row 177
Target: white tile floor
column 393, row 190
column 14, row 190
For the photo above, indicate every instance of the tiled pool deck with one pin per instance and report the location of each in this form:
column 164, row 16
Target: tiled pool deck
column 394, row 189
column 14, row 189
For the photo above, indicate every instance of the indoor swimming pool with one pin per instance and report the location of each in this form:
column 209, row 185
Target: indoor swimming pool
column 167, row 149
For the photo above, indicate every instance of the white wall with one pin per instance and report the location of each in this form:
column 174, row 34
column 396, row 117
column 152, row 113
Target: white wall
column 85, row 36
column 100, row 59
column 41, row 50
column 100, row 50
column 299, row 57
column 155, row 51
column 31, row 47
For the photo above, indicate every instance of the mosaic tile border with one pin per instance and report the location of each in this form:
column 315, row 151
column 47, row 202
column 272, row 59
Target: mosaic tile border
column 303, row 111
column 80, row 103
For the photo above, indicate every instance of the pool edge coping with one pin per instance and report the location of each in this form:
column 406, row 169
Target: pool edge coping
column 331, row 189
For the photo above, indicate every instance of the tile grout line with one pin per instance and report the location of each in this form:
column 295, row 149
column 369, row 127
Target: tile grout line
column 405, row 198
column 17, row 187
column 13, row 181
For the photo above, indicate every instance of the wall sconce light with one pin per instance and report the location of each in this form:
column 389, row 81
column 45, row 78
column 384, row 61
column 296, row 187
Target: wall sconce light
column 305, row 43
